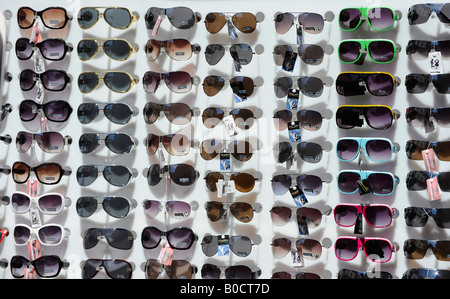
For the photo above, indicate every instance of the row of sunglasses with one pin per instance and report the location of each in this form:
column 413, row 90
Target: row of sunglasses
column 379, row 18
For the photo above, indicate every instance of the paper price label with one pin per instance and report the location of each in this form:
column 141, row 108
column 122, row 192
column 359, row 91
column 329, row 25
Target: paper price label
column 435, row 61
column 230, row 125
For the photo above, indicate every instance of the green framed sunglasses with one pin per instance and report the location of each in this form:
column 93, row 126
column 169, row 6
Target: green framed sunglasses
column 378, row 18
column 379, row 50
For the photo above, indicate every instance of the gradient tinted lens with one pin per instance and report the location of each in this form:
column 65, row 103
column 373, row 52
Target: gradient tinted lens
column 153, row 175
column 376, row 250
column 119, row 18
column 118, row 81
column 210, row 149
column 20, row 172
column 210, row 271
column 238, row 272
column 54, row 18
column 23, row 141
column 417, row 83
column 379, row 117
column 53, row 49
column 379, row 150
column 48, row 235
column 380, row 84
column 347, row 149
column 178, row 49
column 57, row 111
column 20, row 203
column 178, row 113
column 381, row 18
column 310, row 86
column 117, row 49
column 280, row 215
column 349, row 18
column 281, row 119
column 179, row 82
column 309, row 119
column 349, row 51
column 244, row 22
column 176, row 144
column 180, row 238
column 311, row 54
column 27, row 80
column 50, row 142
column 24, row 48
column 25, row 17
column 178, row 209
column 151, row 16
column 212, row 117
column 214, row 53
column 381, row 183
column 281, row 86
column 281, row 184
column 182, row 174
column 47, row 266
column 282, row 151
column 347, row 181
column 18, row 266
column 381, row 51
column 309, row 216
column 242, row 86
column 311, row 22
column 310, row 184
column 54, row 80
column 150, row 81
column 49, row 173
column 283, row 22
column 310, row 152
column 179, row 269
column 279, row 53
column 376, row 216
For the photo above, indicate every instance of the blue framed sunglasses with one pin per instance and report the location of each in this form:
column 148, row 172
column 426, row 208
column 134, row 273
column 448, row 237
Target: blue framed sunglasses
column 379, row 183
column 376, row 149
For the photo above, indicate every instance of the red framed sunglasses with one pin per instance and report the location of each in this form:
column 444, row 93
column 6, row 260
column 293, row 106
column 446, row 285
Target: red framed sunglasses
column 378, row 250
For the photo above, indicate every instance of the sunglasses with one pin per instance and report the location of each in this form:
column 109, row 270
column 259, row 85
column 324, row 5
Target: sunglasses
column 178, row 82
column 241, row 53
column 117, row 48
column 414, row 149
column 299, row 275
column 180, row 238
column 115, row 206
column 416, row 249
column 309, row 86
column 53, row 49
column 418, row 217
column 175, row 144
column 242, row 86
column 245, row 22
column 116, row 81
column 376, row 149
column 357, row 83
column 310, row 120
column 376, row 215
column 176, row 113
column 180, row 17
column 51, row 17
column 48, row 203
column 51, row 80
column 174, row 208
column 418, row 83
column 243, row 118
column 378, row 18
column 118, row 238
column 379, row 50
column 378, row 117
column 420, row 13
column 308, row 248
column 114, row 268
column 310, row 184
column 426, row 273
column 210, row 271
column 46, row 173
column 309, row 53
column 178, row 269
column 241, row 150
column 46, row 266
column 423, row 117
column 178, row 49
column 310, row 152
column 239, row 245
column 55, row 110
column 243, row 182
column 180, row 174
column 378, row 250
column 419, row 49
column 49, row 142
column 352, row 274
column 380, row 183
column 310, row 217
column 116, row 175
column 116, row 17
column 416, row 180
column 312, row 23
column 118, row 143
column 48, row 234
column 118, row 113
column 242, row 211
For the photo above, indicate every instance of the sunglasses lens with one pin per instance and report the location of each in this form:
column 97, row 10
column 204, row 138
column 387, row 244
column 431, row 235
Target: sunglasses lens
column 309, row 216
column 417, row 83
column 117, row 49
column 49, row 173
column 118, row 81
column 54, row 80
column 180, row 17
column 381, row 18
column 345, row 215
column 282, row 151
column 50, row 142
column 87, row 82
column 119, row 143
column 151, row 208
column 243, row 118
column 415, row 249
column 151, row 16
column 27, row 80
column 176, row 144
column 54, row 18
column 182, row 174
column 311, row 249
column 379, row 150
column 378, row 250
column 283, row 22
column 349, row 51
column 178, row 113
column 87, row 112
column 426, row 273
column 419, row 49
column 47, row 266
column 311, row 54
column 210, row 271
column 50, row 235
column 281, row 119
column 118, row 113
column 152, row 49
column 24, row 48
column 349, row 18
column 23, row 141
column 211, row 179
column 312, row 23
column 381, row 183
column 418, row 217
column 178, row 49
column 346, row 249
column 87, row 17
column 347, row 84
column 18, row 266
column 150, row 81
column 180, row 238
column 381, row 51
column 348, row 117
column 241, row 53
column 117, row 207
column 310, row 184
column 279, row 53
column 244, row 182
column 244, row 22
column 25, row 17
column 214, row 22
column 281, row 184
column 20, row 172
column 309, row 119
column 441, row 83
column 241, row 150
column 379, row 118
column 418, row 14
column 178, row 209
column 214, row 210
column 118, row 18
column 310, row 152
column 57, row 111
column 280, row 215
column 88, row 143
column 347, row 181
column 117, row 175
column 212, row 85
column 442, row 117
column 116, row 269
column 154, row 176
column 311, row 86
column 53, row 49
column 210, row 149
column 179, row 82
column 214, row 53
column 87, row 49
column 151, row 237
column 238, row 272
column 20, row 202
column 380, row 84
column 86, row 175
column 86, row 206
column 242, row 86
column 212, row 116
column 281, row 86
column 347, row 149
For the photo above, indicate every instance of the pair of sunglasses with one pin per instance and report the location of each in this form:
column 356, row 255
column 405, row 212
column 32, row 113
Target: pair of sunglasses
column 310, row 152
column 309, row 53
column 378, row 250
column 116, row 81
column 175, row 144
column 245, row 22
column 416, row 180
column 378, row 18
column 310, row 22
column 416, row 249
column 51, row 17
column 310, row 120
column 418, row 216
column 118, row 113
column 49, row 142
column 211, row 271
column 53, row 49
column 376, row 149
column 118, row 143
column 240, row 245
column 55, row 110
column 418, row 83
column 378, row 117
column 243, row 182
column 45, row 266
column 423, row 117
column 116, row 175
column 180, row 17
column 46, row 173
column 353, row 274
column 308, row 248
column 48, row 234
column 419, row 49
column 241, row 150
column 116, row 48
column 243, row 118
column 309, row 86
column 310, row 217
column 181, row 174
column 309, row 183
column 357, row 83
column 178, row 82
column 176, row 209
column 49, row 203
column 176, row 113
column 376, row 215
column 178, row 269
column 178, row 49
column 379, row 50
column 381, row 183
column 114, row 268
column 51, row 80
column 118, row 238
column 242, row 86
column 242, row 211
column 180, row 238
column 414, row 149
column 115, row 206
column 116, row 17
column 420, row 13
column 241, row 53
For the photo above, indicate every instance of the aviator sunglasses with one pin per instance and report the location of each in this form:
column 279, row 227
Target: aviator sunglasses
column 245, row 22
column 310, row 152
column 310, row 22
column 116, row 175
column 178, row 49
column 180, row 17
column 116, row 81
column 116, row 17
column 117, row 49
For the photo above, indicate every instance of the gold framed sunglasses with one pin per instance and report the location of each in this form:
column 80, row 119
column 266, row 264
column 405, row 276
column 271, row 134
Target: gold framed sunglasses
column 117, row 17
column 115, row 48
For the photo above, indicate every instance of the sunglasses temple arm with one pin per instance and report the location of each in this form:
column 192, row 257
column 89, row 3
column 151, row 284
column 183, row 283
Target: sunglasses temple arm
column 6, row 139
column 5, row 170
column 67, row 140
column 196, row 48
column 66, row 172
column 5, row 200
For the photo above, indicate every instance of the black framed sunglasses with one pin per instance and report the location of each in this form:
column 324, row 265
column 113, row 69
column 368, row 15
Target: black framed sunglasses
column 51, row 80
column 53, row 49
column 310, row 152
column 52, row 17
column 180, row 238
column 46, row 266
column 118, row 238
column 118, row 143
column 114, row 268
column 115, row 206
column 55, row 110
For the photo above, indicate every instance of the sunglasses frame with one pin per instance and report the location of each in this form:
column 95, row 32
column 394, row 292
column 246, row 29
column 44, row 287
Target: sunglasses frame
column 34, row 233
column 240, row 156
column 301, row 49
column 362, row 141
column 195, row 48
column 133, row 173
column 431, row 78
column 430, row 244
column 163, row 171
column 299, row 16
column 133, row 17
column 361, row 209
column 38, row 77
column 364, row 16
column 34, row 201
column 427, row 212
column 231, row 175
column 62, row 265
column 100, row 232
column 39, row 14
column 41, row 110
column 165, row 109
column 133, row 81
column 294, row 248
column 225, row 206
column 67, row 140
column 193, row 206
column 192, row 143
column 37, row 46
column 363, row 112
column 102, row 106
column 231, row 15
column 132, row 204
column 166, row 234
column 100, row 42
column 294, row 80
column 230, row 240
column 361, row 244
column 226, row 269
column 294, row 176
column 130, row 267
column 364, row 174
column 62, row 172
column 294, row 151
column 303, row 124
column 231, row 47
column 362, row 79
column 364, row 43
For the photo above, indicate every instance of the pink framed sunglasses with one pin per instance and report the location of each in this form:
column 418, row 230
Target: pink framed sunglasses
column 376, row 215
column 378, row 250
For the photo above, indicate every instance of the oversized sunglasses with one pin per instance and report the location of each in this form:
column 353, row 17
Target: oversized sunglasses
column 242, row 54
column 309, row 53
column 310, row 184
column 210, row 271
column 242, row 211
column 242, row 86
column 114, row 268
column 117, row 17
column 241, row 150
column 52, row 17
column 414, row 149
column 308, row 85
column 378, row 18
column 178, row 82
column 426, row 273
column 180, row 238
column 419, row 49
column 307, row 248
column 310, row 152
column 416, row 249
column 243, row 182
column 305, row 217
column 46, row 266
column 48, row 234
column 51, row 80
column 222, row 244
column 118, row 113
column 116, row 81
column 379, row 117
column 181, row 174
column 176, row 209
column 245, row 22
column 53, row 49
column 116, row 175
column 178, row 49
column 310, row 120
column 55, row 110
column 378, row 182
column 175, row 144
column 310, row 22
column 376, row 149
column 378, row 84
column 418, row 83
column 178, row 269
column 46, row 173
column 49, row 142
column 378, row 250
column 49, row 203
column 425, row 117
column 118, row 143
column 118, row 238
column 420, row 13
column 418, row 216
column 379, row 50
column 416, row 180
column 376, row 215
column 116, row 48
column 180, row 17
column 243, row 118
column 176, row 113
column 115, row 206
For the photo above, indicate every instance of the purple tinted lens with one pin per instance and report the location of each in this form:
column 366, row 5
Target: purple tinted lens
column 381, row 18
column 380, row 84
column 379, row 117
column 57, row 111
column 310, row 184
column 24, row 49
column 23, row 141
column 151, row 208
column 20, row 202
column 347, row 181
column 52, row 49
column 346, row 249
column 178, row 209
column 27, row 80
column 378, row 250
column 345, row 215
column 150, row 81
column 349, row 51
column 47, row 266
column 51, row 203
column 54, row 80
column 381, row 51
column 283, row 22
column 442, row 117
column 18, row 266
column 50, row 235
column 179, row 82
column 151, row 236
column 347, row 149
column 210, row 272
column 180, row 238
column 21, row 234
column 349, row 19
column 378, row 216
column 50, row 142
column 381, row 183
column 281, row 184
column 379, row 150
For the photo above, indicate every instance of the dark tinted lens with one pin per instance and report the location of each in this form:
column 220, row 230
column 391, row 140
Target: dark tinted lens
column 87, row 112
column 238, row 272
column 418, row 14
column 86, row 206
column 212, row 117
column 117, row 49
column 150, row 238
column 87, row 82
column 50, row 235
column 281, row 119
column 311, row 54
column 119, row 143
column 153, row 176
column 86, row 174
column 27, row 80
column 118, row 18
column 117, row 175
column 20, row 202
column 380, row 84
column 88, row 143
column 244, row 22
column 87, row 17
column 24, row 49
column 210, row 271
column 347, row 84
column 310, row 152
column 381, row 51
column 442, row 116
column 311, row 22
column 241, row 53
column 179, row 82
column 309, row 119
column 347, row 181
column 310, row 184
column 282, row 151
column 381, row 183
column 182, row 174
column 53, row 49
column 47, row 266
column 87, row 49
column 347, row 149
column 57, row 111
column 281, row 86
column 214, row 53
column 178, row 113
column 349, row 18
column 54, row 80
column 311, row 86
column 180, row 17
column 151, row 16
column 349, row 51
column 242, row 86
column 381, row 18
column 18, row 266
column 348, row 117
column 281, row 184
column 118, row 81
column 417, row 83
column 180, row 238
column 419, row 48
column 118, row 113
column 116, row 206
column 378, row 216
column 50, row 142
column 441, row 83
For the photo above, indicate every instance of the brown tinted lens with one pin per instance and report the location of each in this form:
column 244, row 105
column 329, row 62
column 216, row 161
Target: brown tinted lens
column 214, row 210
column 245, row 22
column 242, row 211
column 244, row 182
column 243, row 118
column 309, row 216
column 310, row 249
column 415, row 249
column 279, row 52
column 176, row 144
column 443, row 150
column 25, row 17
column 242, row 86
column 152, row 143
column 212, row 117
column 20, row 172
column 442, row 250
column 280, row 247
column 280, row 215
column 212, row 85
column 54, row 18
column 179, row 269
column 178, row 49
column 309, row 120
column 48, row 173
column 178, row 113
column 311, row 54
column 153, row 269
column 211, row 179
column 214, row 22
column 152, row 49
column 281, row 119
column 241, row 150
column 210, row 149
column 151, row 112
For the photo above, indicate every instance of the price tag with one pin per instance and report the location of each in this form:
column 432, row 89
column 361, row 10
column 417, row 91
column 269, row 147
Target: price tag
column 364, row 187
column 298, row 196
column 229, row 187
column 290, row 57
column 434, row 58
column 230, row 125
column 165, row 255
column 429, row 159
column 231, row 29
column 292, row 99
column 156, row 27
column 299, row 35
column 294, row 131
column 225, row 161
column 223, row 245
column 434, row 193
